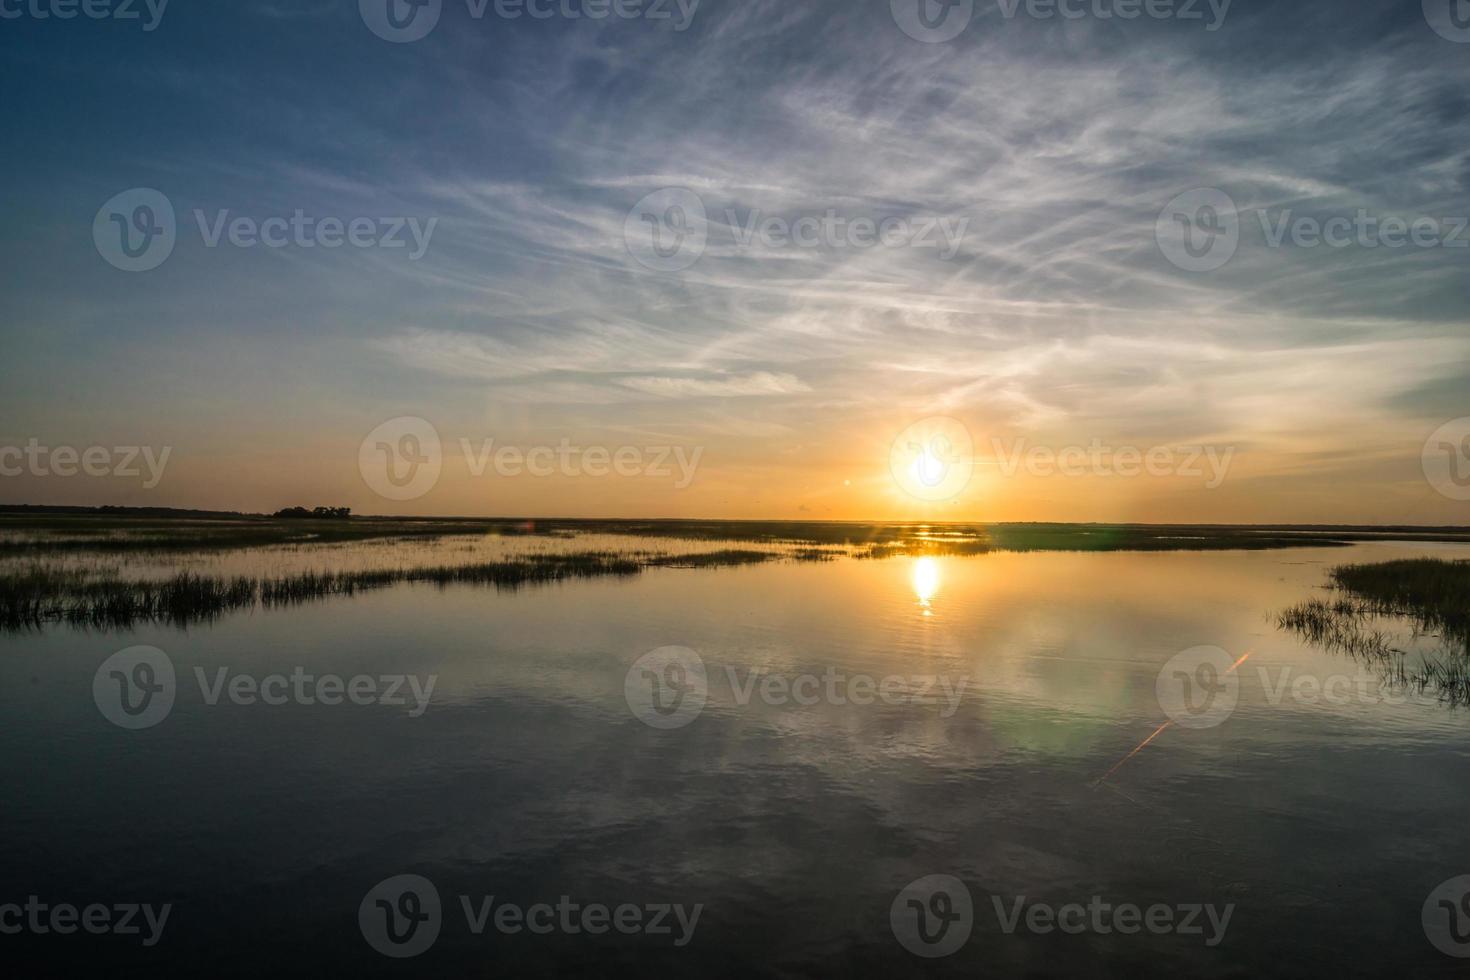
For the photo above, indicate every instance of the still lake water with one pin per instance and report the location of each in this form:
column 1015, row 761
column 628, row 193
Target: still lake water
column 1323, row 823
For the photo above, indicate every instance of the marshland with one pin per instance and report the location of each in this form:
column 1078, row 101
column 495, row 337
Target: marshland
column 113, row 567
column 529, row 765
column 1409, row 618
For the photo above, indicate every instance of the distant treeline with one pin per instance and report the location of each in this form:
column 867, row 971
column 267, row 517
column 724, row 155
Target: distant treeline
column 316, row 513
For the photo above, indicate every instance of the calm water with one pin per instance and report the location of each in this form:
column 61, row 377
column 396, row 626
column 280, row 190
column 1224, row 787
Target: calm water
column 1323, row 823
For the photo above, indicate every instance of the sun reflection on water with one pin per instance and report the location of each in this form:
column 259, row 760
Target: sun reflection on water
column 925, row 577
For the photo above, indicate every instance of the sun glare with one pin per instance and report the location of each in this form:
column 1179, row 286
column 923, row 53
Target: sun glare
column 926, row 582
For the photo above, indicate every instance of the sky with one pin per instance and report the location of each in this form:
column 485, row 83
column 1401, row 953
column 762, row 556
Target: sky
column 839, row 259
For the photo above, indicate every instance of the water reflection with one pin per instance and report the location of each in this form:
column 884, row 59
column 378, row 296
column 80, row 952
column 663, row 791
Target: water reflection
column 925, row 576
column 529, row 775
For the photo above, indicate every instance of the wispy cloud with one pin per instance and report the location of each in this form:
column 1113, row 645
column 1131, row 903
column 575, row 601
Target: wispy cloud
column 750, row 385
column 1057, row 143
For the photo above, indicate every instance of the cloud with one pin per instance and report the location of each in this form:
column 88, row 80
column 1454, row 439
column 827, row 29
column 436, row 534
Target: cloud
column 750, row 385
column 1059, row 142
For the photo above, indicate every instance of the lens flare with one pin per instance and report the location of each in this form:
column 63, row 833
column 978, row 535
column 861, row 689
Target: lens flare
column 1157, row 732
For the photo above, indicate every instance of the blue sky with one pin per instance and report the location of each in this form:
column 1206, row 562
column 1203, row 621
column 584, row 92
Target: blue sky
column 1057, row 320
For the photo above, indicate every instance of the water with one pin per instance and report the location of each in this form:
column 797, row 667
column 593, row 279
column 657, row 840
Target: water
column 1322, row 823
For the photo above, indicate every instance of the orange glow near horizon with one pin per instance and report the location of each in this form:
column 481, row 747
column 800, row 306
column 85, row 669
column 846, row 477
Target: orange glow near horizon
column 878, row 471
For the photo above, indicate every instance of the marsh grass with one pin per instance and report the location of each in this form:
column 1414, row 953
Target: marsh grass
column 1432, row 592
column 1449, row 678
column 1343, row 625
column 1432, row 595
column 715, row 559
column 81, row 597
column 78, row 596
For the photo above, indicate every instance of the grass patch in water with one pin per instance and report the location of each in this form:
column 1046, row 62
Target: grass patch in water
column 1432, row 594
column 715, row 559
column 40, row 594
